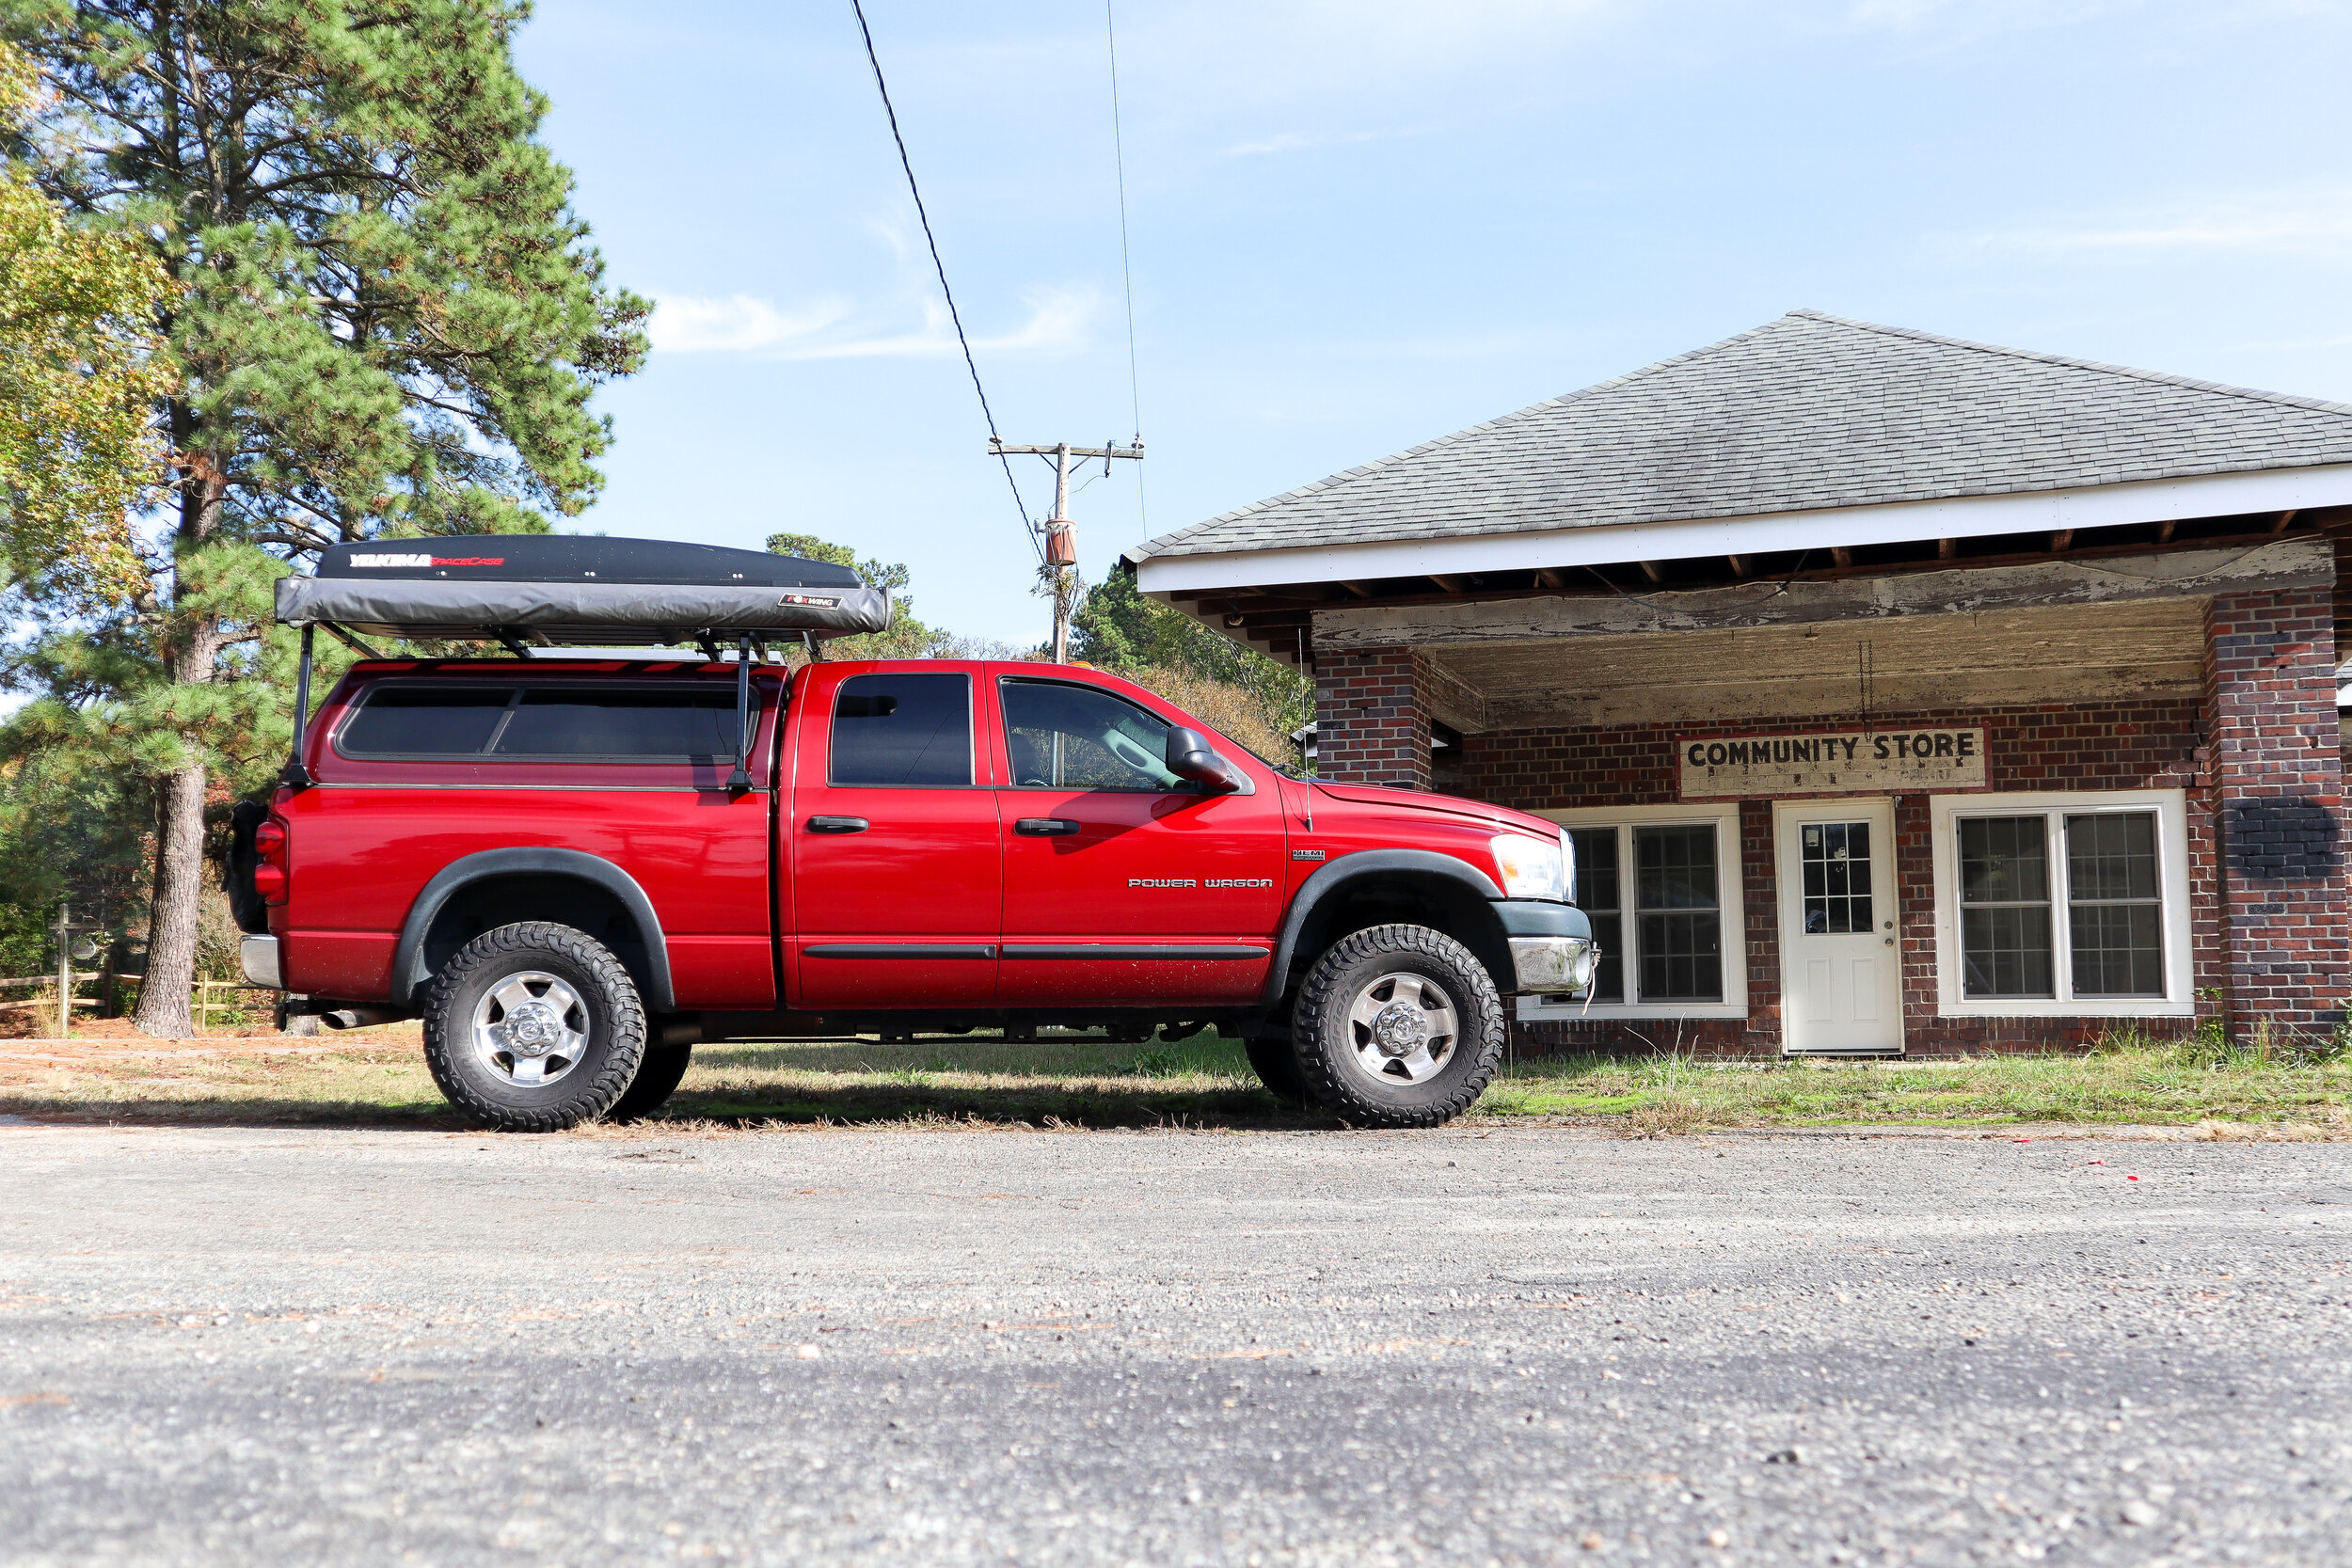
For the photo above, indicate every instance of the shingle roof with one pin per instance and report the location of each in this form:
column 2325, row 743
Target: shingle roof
column 1807, row 412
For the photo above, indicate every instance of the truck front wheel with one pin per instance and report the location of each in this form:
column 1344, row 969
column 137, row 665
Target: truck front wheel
column 1398, row 1026
column 532, row 1028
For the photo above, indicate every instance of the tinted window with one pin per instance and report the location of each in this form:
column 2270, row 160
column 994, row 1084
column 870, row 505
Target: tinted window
column 425, row 721
column 1076, row 738
column 905, row 730
column 643, row 723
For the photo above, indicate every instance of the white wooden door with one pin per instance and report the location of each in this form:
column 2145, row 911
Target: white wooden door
column 1841, row 970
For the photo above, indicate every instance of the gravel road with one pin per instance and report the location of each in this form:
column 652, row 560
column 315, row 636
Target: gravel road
column 233, row 1346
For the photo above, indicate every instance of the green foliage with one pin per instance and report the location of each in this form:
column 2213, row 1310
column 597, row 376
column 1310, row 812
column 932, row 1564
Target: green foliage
column 1262, row 702
column 79, row 374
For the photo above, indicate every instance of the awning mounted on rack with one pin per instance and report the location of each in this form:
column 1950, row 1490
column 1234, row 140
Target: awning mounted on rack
column 560, row 589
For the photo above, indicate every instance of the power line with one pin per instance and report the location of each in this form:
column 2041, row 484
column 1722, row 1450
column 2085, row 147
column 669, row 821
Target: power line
column 1028, row 529
column 1126, row 264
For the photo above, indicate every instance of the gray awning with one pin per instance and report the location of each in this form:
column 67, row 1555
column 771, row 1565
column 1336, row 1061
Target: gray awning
column 579, row 612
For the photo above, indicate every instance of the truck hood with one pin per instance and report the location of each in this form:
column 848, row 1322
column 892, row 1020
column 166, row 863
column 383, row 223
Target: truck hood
column 1454, row 806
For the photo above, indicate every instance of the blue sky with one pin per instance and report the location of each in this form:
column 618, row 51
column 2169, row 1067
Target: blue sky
column 1358, row 224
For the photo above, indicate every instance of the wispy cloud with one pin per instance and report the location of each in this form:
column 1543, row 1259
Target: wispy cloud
column 1298, row 141
column 2280, row 222
column 836, row 329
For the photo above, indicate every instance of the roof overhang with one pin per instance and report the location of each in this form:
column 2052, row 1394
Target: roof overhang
column 2053, row 512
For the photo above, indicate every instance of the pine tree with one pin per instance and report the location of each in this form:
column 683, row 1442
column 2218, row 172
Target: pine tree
column 390, row 320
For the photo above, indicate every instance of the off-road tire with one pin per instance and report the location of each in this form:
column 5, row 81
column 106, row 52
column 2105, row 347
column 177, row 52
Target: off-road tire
column 1277, row 1067
column 615, row 1028
column 1323, row 1044
column 658, row 1074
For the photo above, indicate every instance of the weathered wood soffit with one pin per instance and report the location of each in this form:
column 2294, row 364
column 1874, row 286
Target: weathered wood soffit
column 2190, row 556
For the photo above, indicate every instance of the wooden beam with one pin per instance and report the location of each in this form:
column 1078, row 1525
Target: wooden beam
column 1841, row 555
column 1549, row 578
column 1452, row 585
column 1947, row 548
column 2303, row 561
column 1360, row 590
column 1739, row 565
column 2060, row 538
column 1649, row 570
column 2164, row 531
column 2284, row 518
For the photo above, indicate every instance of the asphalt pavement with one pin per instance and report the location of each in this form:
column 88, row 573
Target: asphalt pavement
column 1526, row 1345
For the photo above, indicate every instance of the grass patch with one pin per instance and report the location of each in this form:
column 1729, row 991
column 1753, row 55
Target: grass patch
column 1086, row 1081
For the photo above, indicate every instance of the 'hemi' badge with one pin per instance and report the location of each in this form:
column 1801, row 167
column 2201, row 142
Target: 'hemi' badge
column 1306, row 854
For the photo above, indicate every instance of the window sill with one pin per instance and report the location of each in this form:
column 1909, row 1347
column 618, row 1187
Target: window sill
column 2041, row 1008
column 1604, row 1012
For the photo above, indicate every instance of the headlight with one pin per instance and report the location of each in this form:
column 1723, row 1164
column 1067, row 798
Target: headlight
column 1530, row 867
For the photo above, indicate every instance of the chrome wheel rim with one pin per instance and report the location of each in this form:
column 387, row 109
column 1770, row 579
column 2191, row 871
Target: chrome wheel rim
column 1401, row 1029
column 531, row 1029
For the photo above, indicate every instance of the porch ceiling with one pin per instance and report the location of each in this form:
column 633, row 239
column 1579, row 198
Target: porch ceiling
column 1830, row 671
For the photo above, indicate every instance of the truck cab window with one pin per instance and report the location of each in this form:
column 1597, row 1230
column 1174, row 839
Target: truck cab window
column 1076, row 737
column 903, row 731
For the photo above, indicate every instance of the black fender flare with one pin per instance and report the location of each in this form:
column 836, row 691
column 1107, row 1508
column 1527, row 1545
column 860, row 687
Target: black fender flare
column 1364, row 864
column 410, row 975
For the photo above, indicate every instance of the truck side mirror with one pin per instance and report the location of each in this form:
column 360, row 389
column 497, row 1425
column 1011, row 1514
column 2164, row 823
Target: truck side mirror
column 1190, row 756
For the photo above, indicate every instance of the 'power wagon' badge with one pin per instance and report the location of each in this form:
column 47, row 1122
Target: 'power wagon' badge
column 1195, row 881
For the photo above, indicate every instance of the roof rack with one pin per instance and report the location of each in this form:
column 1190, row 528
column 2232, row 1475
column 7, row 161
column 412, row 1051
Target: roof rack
column 544, row 589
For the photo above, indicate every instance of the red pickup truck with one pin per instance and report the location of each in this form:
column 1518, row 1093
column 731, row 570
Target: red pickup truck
column 574, row 868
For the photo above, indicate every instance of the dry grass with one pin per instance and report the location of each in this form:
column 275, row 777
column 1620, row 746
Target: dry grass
column 377, row 1078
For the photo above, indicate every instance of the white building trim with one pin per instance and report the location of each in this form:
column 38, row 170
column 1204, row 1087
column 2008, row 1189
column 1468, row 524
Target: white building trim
column 1961, row 518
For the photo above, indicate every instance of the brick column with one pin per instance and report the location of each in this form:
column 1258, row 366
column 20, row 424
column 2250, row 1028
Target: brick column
column 2278, row 793
column 1371, row 724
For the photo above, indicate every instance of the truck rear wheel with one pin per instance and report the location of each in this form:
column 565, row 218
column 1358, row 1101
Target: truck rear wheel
column 1398, row 1026
column 532, row 1028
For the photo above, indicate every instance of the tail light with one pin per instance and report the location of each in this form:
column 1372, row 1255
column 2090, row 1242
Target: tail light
column 269, row 871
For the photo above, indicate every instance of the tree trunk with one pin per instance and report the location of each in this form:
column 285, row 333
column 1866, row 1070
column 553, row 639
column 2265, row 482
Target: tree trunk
column 178, row 902
column 163, row 1008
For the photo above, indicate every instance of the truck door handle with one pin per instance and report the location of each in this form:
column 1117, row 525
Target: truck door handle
column 1046, row 826
column 838, row 824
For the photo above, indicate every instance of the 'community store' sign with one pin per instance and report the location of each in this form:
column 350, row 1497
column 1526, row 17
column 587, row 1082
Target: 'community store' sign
column 1831, row 762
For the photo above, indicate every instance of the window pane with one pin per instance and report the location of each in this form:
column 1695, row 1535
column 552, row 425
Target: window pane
column 2112, row 855
column 2003, row 860
column 1597, row 887
column 905, row 730
column 557, row 722
column 2115, row 924
column 1835, row 860
column 2119, row 949
column 425, row 721
column 2006, row 951
column 1675, row 867
column 1682, row 957
column 1075, row 737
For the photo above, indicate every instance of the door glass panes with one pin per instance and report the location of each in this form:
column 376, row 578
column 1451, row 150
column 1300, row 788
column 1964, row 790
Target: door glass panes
column 1076, row 738
column 2005, row 906
column 911, row 731
column 2114, row 916
column 1679, row 914
column 1598, row 895
column 1835, row 859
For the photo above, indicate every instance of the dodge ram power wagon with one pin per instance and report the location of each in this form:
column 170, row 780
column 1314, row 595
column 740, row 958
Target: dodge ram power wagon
column 574, row 866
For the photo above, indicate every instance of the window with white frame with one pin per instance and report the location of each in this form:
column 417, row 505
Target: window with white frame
column 1661, row 887
column 2062, row 903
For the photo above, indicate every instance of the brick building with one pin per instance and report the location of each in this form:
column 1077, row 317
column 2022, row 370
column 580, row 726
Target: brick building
column 1898, row 695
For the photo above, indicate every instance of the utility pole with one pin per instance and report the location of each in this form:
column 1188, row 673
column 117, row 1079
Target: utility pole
column 1061, row 538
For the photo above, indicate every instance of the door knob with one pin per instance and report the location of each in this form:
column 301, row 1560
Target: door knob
column 1046, row 826
column 838, row 824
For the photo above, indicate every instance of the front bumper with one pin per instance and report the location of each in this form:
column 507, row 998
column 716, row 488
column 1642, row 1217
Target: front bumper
column 259, row 955
column 1551, row 946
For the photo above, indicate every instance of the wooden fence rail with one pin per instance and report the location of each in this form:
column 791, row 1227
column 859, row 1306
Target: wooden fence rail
column 205, row 997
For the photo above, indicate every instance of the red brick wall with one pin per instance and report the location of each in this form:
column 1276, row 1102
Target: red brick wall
column 2277, row 774
column 2126, row 745
column 1371, row 726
